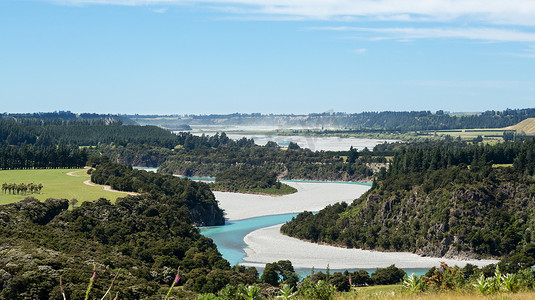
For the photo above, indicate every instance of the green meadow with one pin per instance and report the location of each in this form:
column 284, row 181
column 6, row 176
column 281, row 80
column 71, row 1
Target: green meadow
column 56, row 184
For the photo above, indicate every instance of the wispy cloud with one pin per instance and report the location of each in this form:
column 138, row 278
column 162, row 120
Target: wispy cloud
column 484, row 84
column 528, row 52
column 360, row 51
column 408, row 33
column 160, row 10
column 516, row 12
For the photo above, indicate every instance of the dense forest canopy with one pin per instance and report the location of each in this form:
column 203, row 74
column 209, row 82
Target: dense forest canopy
column 255, row 180
column 143, row 238
column 249, row 179
column 196, row 196
column 81, row 133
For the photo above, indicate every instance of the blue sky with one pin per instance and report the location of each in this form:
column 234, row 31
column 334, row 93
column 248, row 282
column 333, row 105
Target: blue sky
column 269, row 56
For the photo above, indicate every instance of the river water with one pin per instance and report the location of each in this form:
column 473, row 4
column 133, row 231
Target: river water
column 251, row 236
column 229, row 238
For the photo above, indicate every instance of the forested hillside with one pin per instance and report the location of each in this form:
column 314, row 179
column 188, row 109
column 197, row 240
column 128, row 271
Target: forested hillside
column 431, row 202
column 195, row 196
column 141, row 237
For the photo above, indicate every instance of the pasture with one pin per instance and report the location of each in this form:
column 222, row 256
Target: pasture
column 56, row 184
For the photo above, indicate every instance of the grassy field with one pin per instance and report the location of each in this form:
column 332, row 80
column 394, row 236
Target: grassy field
column 470, row 134
column 527, row 126
column 395, row 292
column 56, row 184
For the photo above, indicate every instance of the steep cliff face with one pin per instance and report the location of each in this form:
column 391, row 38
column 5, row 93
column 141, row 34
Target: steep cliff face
column 450, row 213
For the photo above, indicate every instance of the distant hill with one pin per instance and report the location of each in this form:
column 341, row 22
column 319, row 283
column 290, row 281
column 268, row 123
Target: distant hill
column 387, row 120
column 527, row 126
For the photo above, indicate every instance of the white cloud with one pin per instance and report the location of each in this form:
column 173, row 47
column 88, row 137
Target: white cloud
column 408, row 33
column 160, row 10
column 360, row 51
column 516, row 12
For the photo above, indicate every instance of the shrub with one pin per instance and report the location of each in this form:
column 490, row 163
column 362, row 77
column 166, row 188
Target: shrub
column 287, row 292
column 361, row 278
column 340, row 281
column 413, row 283
column 251, row 292
column 319, row 290
column 389, row 275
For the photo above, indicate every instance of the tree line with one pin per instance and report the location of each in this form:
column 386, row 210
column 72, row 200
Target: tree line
column 441, row 155
column 12, row 188
column 426, row 120
column 15, row 132
column 42, row 157
column 399, row 121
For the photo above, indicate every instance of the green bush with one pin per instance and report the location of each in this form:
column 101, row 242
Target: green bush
column 320, row 290
column 388, row 275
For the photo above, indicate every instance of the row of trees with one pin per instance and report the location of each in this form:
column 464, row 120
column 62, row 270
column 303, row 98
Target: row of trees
column 16, row 132
column 23, row 188
column 42, row 157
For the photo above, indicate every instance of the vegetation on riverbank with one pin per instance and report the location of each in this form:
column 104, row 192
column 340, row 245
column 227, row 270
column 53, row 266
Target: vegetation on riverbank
column 287, row 164
column 251, row 181
column 429, row 202
column 195, row 196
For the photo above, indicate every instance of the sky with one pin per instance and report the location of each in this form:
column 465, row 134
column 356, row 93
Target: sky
column 267, row 56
